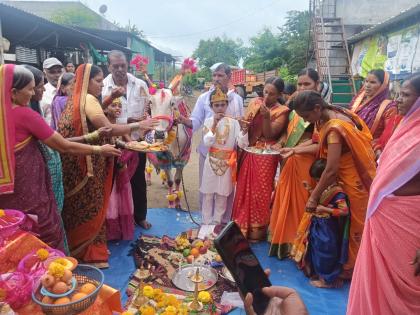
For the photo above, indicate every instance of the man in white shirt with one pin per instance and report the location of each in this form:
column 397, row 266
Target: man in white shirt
column 134, row 95
column 202, row 110
column 53, row 69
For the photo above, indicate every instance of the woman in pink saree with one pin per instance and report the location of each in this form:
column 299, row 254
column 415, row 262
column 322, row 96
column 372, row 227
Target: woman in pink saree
column 385, row 279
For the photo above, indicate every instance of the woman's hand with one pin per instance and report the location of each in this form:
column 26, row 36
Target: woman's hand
column 109, row 150
column 148, row 124
column 286, row 152
column 265, row 111
column 311, row 205
column 416, row 263
column 105, row 132
column 290, row 303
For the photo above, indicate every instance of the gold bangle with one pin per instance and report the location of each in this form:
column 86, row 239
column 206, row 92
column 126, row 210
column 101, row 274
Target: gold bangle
column 96, row 149
column 92, row 137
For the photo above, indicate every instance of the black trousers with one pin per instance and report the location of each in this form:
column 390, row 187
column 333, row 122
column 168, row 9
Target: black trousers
column 138, row 187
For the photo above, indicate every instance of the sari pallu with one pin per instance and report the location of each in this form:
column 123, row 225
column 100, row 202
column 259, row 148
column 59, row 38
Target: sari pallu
column 383, row 280
column 291, row 194
column 87, row 182
column 375, row 111
column 255, row 180
column 356, row 171
column 33, row 194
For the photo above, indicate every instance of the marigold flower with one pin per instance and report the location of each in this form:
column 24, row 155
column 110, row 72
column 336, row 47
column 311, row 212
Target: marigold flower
column 42, row 254
column 148, row 291
column 204, row 297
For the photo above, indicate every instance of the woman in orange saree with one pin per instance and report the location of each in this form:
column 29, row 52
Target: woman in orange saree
column 385, row 281
column 345, row 142
column 251, row 207
column 298, row 154
column 88, row 180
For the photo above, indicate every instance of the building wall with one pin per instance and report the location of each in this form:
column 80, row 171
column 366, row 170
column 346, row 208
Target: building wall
column 370, row 12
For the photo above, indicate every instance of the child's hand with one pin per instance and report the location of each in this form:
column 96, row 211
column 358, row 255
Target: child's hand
column 321, row 210
column 244, row 126
column 218, row 117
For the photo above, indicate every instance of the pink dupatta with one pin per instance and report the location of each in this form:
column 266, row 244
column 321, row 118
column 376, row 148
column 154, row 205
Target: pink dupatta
column 7, row 131
column 399, row 162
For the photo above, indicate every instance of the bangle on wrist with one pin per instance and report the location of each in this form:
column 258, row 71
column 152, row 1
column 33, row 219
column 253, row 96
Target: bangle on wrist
column 91, row 137
column 96, row 149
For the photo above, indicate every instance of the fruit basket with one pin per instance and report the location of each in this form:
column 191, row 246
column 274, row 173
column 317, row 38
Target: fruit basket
column 78, row 300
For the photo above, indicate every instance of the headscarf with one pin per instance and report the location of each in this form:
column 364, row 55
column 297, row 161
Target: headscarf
column 367, row 109
column 7, row 131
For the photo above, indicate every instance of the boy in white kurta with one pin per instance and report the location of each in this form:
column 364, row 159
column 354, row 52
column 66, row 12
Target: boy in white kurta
column 222, row 135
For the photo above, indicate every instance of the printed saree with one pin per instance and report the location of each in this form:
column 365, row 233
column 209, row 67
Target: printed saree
column 87, row 181
column 383, row 280
column 251, row 207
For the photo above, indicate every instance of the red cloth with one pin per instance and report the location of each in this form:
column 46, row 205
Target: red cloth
column 30, row 123
column 251, row 208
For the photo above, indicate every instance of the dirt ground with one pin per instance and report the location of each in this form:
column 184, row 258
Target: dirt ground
column 156, row 193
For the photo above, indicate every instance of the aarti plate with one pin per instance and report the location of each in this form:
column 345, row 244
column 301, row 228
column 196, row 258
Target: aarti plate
column 261, row 151
column 182, row 278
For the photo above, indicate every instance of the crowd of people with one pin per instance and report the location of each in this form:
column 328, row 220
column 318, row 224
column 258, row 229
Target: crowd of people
column 338, row 193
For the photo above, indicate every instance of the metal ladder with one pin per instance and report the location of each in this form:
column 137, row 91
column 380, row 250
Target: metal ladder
column 331, row 51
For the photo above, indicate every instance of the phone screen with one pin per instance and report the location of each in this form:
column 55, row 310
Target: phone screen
column 242, row 263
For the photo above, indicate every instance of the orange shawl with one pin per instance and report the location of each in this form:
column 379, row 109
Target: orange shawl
column 7, row 131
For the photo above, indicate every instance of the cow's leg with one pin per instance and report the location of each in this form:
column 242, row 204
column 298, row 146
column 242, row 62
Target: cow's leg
column 179, row 193
column 164, row 177
column 171, row 195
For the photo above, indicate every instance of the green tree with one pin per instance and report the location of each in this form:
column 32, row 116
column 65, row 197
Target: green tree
column 294, row 35
column 286, row 50
column 266, row 52
column 219, row 49
column 76, row 17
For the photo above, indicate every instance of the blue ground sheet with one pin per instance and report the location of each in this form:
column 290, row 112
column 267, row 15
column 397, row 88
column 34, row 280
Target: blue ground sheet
column 283, row 272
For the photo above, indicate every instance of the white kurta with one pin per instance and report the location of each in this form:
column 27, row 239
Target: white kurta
column 212, row 183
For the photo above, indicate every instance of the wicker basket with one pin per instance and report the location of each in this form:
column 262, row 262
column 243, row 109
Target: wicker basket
column 83, row 274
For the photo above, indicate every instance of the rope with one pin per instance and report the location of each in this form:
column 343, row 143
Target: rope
column 182, row 181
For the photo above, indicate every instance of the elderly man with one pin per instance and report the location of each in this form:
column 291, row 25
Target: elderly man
column 202, row 110
column 133, row 94
column 53, row 69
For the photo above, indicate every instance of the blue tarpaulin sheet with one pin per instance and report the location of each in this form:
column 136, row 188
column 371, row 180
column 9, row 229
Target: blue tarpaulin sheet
column 283, row 272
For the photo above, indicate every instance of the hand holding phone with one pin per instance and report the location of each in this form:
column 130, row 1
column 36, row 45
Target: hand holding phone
column 244, row 266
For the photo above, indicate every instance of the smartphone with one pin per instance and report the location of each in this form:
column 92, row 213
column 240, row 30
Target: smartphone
column 244, row 266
